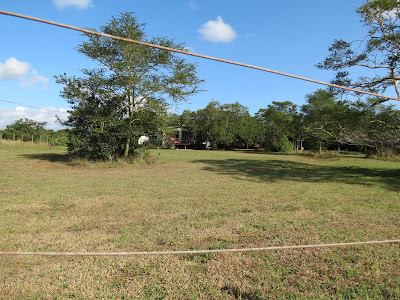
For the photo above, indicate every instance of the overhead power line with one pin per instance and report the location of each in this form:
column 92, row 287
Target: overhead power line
column 193, row 54
column 26, row 105
column 10, row 253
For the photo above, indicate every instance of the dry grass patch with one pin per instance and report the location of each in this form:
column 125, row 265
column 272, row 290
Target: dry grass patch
column 199, row 200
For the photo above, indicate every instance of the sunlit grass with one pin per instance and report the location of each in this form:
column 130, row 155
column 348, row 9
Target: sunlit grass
column 199, row 200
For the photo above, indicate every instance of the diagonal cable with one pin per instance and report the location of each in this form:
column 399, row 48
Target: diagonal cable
column 193, row 54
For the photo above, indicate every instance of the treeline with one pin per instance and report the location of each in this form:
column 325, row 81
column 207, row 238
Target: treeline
column 323, row 122
column 30, row 130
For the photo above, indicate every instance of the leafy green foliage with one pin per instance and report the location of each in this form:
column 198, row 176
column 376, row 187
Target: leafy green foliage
column 324, row 122
column 26, row 127
column 126, row 97
column 277, row 125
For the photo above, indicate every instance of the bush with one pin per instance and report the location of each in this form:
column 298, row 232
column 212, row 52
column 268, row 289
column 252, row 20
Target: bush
column 284, row 145
column 143, row 155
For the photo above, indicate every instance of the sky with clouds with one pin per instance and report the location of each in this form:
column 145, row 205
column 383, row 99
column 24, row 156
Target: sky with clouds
column 289, row 36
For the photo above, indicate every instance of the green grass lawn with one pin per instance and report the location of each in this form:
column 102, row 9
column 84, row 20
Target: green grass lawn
column 199, row 200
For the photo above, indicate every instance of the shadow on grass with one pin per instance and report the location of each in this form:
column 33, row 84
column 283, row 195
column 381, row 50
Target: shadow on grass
column 343, row 154
column 277, row 170
column 64, row 158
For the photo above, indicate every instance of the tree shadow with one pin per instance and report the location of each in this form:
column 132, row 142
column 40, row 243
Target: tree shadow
column 343, row 154
column 63, row 158
column 277, row 170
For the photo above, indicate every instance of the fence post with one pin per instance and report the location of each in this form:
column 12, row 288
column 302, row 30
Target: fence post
column 32, row 139
column 22, row 139
column 1, row 139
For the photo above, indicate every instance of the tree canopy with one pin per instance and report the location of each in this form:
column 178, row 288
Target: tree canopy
column 378, row 51
column 110, row 104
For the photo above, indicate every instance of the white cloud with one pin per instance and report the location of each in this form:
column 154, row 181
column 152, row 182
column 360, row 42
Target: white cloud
column 33, row 79
column 20, row 108
column 48, row 114
column 13, row 69
column 217, row 31
column 79, row 4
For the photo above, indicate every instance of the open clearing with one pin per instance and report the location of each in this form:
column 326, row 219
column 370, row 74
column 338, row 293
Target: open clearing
column 199, row 200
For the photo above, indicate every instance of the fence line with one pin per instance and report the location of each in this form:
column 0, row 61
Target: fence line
column 148, row 253
column 192, row 54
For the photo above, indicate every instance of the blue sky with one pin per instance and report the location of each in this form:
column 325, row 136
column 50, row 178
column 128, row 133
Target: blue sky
column 289, row 36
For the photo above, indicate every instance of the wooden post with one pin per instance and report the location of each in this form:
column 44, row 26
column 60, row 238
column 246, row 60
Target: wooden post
column 32, row 139
column 1, row 139
column 22, row 139
column 14, row 138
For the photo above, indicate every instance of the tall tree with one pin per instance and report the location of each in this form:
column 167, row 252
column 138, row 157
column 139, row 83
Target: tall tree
column 277, row 124
column 320, row 117
column 378, row 51
column 130, row 76
column 26, row 127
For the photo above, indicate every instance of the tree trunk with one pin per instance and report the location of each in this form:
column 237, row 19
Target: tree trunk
column 126, row 152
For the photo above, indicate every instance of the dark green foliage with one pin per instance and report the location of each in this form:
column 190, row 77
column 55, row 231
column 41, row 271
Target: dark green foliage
column 127, row 97
column 26, row 127
column 277, row 125
column 226, row 126
column 324, row 122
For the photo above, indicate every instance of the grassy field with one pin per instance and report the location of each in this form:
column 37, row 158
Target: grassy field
column 199, row 200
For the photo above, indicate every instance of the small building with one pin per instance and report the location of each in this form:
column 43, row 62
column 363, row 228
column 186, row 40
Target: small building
column 182, row 137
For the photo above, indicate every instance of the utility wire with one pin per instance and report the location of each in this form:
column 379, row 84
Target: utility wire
column 192, row 54
column 210, row 58
column 5, row 253
column 26, row 105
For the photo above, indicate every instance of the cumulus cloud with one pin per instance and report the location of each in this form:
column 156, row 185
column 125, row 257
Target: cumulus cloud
column 79, row 4
column 13, row 69
column 33, row 79
column 48, row 114
column 217, row 31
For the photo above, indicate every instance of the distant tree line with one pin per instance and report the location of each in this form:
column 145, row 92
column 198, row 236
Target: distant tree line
column 323, row 122
column 28, row 130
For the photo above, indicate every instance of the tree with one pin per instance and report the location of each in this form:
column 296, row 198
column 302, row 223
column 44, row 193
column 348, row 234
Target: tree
column 378, row 51
column 249, row 129
column 277, row 124
column 109, row 103
column 26, row 127
column 320, row 117
column 222, row 125
column 375, row 129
